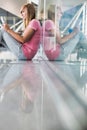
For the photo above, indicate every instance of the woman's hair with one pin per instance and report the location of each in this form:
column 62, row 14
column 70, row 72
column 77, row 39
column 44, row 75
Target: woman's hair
column 31, row 12
column 51, row 12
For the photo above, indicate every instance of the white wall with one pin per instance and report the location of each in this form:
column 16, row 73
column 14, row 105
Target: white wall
column 12, row 6
column 35, row 1
column 71, row 3
column 66, row 4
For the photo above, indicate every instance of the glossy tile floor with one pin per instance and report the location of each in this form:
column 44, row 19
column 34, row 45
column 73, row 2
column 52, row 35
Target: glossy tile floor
column 43, row 95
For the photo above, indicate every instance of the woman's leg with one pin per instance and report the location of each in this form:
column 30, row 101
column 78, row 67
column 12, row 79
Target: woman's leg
column 13, row 45
column 68, row 47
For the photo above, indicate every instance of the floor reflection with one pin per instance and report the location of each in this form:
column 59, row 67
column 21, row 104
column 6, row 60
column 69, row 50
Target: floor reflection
column 43, row 95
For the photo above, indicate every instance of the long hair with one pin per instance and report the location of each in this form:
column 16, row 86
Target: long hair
column 54, row 12
column 51, row 12
column 31, row 13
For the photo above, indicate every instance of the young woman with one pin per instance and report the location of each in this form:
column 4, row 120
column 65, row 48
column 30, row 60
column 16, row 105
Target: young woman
column 55, row 46
column 24, row 46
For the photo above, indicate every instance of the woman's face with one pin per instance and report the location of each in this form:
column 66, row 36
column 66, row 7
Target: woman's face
column 24, row 13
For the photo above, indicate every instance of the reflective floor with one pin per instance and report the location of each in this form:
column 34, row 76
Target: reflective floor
column 43, row 95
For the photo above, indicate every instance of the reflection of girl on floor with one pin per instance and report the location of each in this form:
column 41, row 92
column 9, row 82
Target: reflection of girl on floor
column 24, row 80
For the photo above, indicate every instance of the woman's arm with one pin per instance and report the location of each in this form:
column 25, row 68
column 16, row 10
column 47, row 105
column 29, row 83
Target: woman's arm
column 65, row 38
column 61, row 40
column 28, row 33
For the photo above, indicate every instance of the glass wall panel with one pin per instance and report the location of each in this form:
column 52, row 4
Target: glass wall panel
column 62, row 23
column 49, row 22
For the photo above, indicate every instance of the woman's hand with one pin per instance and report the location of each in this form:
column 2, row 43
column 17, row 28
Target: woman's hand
column 6, row 27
